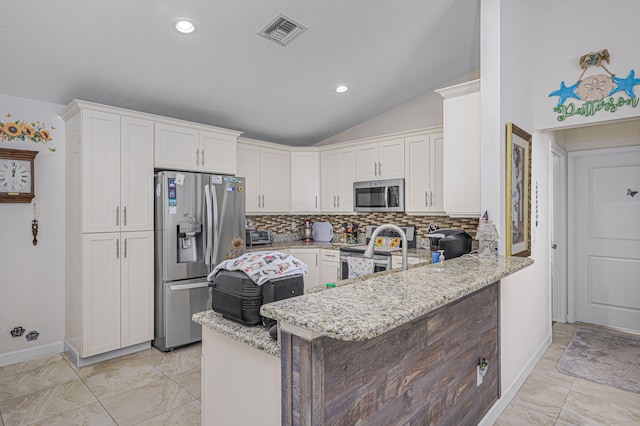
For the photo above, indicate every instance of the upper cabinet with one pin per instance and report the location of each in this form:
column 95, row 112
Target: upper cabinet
column 305, row 188
column 380, row 160
column 424, row 173
column 116, row 173
column 267, row 178
column 197, row 149
column 337, row 174
column 462, row 149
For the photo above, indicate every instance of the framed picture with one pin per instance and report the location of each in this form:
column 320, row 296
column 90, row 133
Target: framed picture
column 518, row 192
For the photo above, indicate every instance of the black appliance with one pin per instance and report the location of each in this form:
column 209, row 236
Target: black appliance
column 237, row 297
column 454, row 242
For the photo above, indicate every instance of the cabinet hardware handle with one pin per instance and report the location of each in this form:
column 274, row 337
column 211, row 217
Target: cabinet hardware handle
column 554, row 246
column 431, row 192
column 338, row 201
column 124, row 212
column 258, row 200
column 426, row 199
column 202, row 161
column 379, row 168
column 334, row 202
column 316, row 201
column 375, row 168
column 118, row 248
column 197, row 155
column 125, row 248
column 263, row 201
column 117, row 215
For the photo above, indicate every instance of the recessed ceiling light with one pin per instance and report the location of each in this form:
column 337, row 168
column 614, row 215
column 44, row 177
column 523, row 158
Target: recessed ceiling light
column 184, row 26
column 341, row 89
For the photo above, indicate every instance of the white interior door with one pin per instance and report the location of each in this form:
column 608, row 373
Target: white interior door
column 606, row 232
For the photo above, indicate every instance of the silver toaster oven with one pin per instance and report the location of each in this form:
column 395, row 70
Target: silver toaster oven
column 255, row 237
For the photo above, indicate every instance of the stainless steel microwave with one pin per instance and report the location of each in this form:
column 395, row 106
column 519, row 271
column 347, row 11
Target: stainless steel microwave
column 379, row 196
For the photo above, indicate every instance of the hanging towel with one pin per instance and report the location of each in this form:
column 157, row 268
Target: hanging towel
column 359, row 266
column 261, row 266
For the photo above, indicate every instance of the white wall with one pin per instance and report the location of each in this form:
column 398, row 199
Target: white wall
column 507, row 37
column 32, row 277
column 566, row 32
column 421, row 112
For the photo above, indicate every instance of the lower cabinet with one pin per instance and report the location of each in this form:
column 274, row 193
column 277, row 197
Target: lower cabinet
column 311, row 258
column 329, row 266
column 116, row 307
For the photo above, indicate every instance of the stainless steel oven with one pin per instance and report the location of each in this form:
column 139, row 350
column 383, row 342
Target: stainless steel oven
column 379, row 196
column 382, row 262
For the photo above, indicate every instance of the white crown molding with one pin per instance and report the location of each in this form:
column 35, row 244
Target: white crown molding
column 459, row 89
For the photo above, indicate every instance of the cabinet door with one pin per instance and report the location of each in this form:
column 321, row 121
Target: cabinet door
column 217, row 153
column 100, row 172
column 346, row 177
column 328, row 179
column 304, row 182
column 436, row 173
column 249, row 168
column 136, row 166
column 136, row 287
column 100, row 293
column 176, row 147
column 391, row 159
column 329, row 266
column 417, row 196
column 274, row 180
column 310, row 257
column 367, row 162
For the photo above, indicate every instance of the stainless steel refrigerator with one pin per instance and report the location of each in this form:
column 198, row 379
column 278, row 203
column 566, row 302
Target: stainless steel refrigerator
column 199, row 222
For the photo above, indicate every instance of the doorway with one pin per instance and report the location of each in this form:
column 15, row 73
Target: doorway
column 604, row 237
column 558, row 260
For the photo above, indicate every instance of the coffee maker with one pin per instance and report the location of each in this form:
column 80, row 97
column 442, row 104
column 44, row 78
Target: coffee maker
column 307, row 231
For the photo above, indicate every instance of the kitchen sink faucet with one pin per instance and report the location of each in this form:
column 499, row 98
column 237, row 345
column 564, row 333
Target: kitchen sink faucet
column 369, row 251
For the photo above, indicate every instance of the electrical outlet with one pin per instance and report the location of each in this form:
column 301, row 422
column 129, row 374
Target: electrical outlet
column 293, row 225
column 479, row 376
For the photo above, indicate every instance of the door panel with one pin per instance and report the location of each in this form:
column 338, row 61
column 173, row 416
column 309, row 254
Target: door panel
column 607, row 237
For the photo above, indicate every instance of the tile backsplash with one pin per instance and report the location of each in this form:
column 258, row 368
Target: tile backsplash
column 281, row 224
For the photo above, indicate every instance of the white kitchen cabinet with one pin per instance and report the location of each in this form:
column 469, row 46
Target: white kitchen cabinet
column 337, row 174
column 310, row 256
column 329, row 266
column 117, row 291
column 195, row 149
column 462, row 149
column 266, row 173
column 117, row 173
column 380, row 160
column 424, row 174
column 304, row 182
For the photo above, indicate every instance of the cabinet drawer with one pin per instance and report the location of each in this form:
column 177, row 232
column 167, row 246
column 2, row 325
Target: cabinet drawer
column 330, row 255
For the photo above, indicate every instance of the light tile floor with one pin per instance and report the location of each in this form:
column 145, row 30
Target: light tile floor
column 549, row 397
column 156, row 388
column 148, row 387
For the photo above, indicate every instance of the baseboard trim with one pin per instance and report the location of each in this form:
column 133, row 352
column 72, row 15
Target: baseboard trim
column 74, row 356
column 31, row 353
column 497, row 409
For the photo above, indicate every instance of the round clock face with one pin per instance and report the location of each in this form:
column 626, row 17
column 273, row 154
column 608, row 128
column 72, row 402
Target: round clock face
column 15, row 176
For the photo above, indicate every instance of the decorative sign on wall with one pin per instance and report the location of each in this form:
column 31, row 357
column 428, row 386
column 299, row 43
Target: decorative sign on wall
column 20, row 130
column 596, row 90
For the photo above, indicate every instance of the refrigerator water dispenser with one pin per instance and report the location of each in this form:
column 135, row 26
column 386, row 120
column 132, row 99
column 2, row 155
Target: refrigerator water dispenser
column 188, row 233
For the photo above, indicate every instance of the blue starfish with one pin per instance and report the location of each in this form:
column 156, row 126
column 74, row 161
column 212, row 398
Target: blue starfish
column 626, row 84
column 565, row 92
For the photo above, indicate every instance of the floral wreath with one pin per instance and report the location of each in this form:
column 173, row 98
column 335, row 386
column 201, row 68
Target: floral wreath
column 27, row 132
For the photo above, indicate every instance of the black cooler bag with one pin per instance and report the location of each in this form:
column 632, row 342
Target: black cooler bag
column 236, row 297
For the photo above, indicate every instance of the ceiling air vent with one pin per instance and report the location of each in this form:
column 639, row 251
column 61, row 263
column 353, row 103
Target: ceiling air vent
column 282, row 30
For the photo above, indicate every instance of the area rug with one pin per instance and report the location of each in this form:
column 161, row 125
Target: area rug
column 604, row 357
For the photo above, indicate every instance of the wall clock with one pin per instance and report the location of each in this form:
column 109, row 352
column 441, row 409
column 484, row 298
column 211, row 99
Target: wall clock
column 16, row 175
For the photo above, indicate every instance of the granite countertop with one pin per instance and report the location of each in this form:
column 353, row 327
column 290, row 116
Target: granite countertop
column 372, row 306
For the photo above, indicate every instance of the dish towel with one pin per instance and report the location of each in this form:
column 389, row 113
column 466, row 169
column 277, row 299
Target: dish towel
column 359, row 266
column 261, row 266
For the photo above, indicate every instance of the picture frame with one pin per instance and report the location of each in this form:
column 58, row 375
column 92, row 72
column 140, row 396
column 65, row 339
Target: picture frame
column 518, row 192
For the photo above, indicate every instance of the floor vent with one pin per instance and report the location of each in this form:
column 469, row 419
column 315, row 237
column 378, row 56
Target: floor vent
column 282, row 30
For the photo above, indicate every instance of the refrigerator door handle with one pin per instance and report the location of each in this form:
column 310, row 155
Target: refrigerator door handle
column 216, row 227
column 207, row 197
column 188, row 286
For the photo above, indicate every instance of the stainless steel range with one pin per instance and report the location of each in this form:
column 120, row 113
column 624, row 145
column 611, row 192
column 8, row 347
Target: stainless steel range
column 381, row 255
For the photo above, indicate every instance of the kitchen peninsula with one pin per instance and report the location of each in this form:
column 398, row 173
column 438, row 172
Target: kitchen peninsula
column 397, row 347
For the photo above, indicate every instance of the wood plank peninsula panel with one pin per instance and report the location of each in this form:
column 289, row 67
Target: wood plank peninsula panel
column 423, row 372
